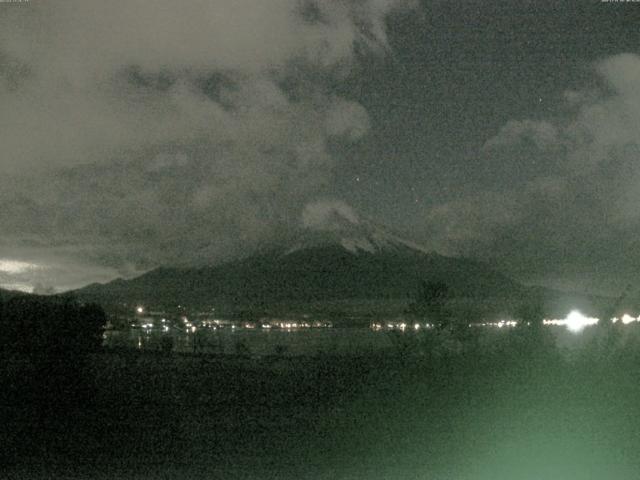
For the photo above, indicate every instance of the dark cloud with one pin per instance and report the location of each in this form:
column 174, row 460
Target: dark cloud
column 574, row 222
column 137, row 133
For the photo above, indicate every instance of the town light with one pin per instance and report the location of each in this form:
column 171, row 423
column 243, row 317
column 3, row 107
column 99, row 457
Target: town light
column 576, row 321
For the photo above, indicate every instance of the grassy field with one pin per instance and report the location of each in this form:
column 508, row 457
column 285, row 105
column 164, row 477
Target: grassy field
column 521, row 409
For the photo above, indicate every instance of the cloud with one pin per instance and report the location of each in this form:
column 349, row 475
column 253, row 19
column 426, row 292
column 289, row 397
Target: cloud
column 577, row 218
column 622, row 72
column 328, row 214
column 137, row 133
column 15, row 266
column 542, row 134
column 49, row 269
column 470, row 224
column 346, row 119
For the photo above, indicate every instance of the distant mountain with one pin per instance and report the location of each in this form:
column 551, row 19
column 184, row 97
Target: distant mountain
column 313, row 274
column 7, row 294
column 352, row 235
column 347, row 261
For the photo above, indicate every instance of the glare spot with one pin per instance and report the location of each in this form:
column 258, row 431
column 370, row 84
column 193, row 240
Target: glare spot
column 626, row 319
column 20, row 287
column 16, row 266
column 575, row 321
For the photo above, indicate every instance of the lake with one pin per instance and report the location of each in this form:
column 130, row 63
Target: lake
column 312, row 341
column 308, row 341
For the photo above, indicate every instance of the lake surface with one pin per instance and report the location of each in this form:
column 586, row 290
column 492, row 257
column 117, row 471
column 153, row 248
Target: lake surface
column 309, row 341
column 504, row 413
column 312, row 341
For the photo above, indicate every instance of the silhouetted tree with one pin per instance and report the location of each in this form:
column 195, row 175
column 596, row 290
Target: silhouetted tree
column 534, row 338
column 166, row 344
column 92, row 320
column 51, row 326
column 242, row 349
column 530, row 313
column 50, row 338
column 431, row 303
column 281, row 350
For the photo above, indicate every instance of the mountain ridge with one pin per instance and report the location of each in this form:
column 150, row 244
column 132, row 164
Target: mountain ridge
column 323, row 272
column 337, row 258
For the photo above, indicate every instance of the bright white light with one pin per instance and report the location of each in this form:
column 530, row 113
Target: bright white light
column 498, row 324
column 576, row 321
column 21, row 287
column 16, row 266
column 140, row 309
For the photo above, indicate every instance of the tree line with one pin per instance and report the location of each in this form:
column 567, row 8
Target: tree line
column 50, row 326
column 45, row 344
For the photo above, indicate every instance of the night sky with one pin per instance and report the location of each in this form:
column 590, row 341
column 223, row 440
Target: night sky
column 142, row 133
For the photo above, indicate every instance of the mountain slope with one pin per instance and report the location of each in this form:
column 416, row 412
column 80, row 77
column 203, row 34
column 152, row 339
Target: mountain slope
column 337, row 258
column 8, row 294
column 334, row 265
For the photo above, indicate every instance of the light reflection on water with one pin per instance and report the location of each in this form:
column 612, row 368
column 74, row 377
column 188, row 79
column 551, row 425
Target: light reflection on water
column 257, row 342
column 313, row 341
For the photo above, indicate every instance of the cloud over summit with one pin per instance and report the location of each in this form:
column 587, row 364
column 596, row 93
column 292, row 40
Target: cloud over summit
column 145, row 132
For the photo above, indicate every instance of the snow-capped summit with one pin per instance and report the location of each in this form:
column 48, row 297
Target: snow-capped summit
column 336, row 256
column 334, row 222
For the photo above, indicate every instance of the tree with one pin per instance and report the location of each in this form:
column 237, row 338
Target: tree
column 48, row 340
column 530, row 312
column 92, row 321
column 56, row 326
column 431, row 303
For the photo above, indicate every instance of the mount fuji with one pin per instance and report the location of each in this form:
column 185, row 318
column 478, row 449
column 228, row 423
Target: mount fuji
column 335, row 257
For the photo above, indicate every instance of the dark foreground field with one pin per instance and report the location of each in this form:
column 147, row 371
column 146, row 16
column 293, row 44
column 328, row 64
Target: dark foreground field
column 514, row 408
